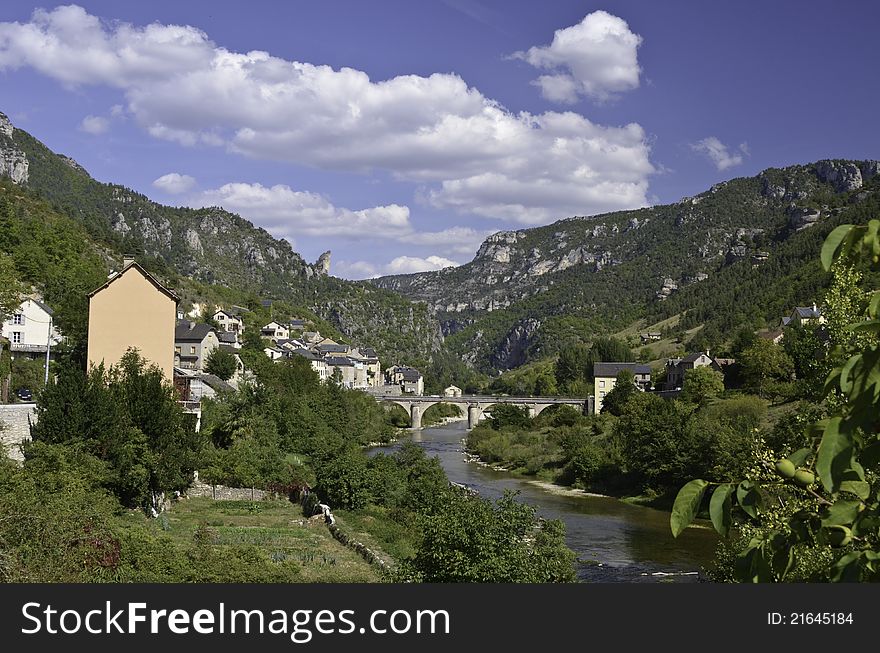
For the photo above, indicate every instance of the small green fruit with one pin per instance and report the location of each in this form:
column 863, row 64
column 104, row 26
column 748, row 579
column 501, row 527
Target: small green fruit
column 804, row 477
column 785, row 468
column 839, row 536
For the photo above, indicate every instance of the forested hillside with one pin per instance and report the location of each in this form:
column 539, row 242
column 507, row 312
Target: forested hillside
column 737, row 255
column 207, row 255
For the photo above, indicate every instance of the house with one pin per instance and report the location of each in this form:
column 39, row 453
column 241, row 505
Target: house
column 368, row 356
column 318, row 364
column 804, row 316
column 193, row 386
column 274, row 353
column 297, row 324
column 409, row 379
column 352, row 373
column 605, row 377
column 229, row 320
column 775, row 336
column 229, row 338
column 452, row 391
column 30, row 331
column 676, row 368
column 132, row 310
column 330, row 348
column 193, row 344
column 275, row 331
column 650, row 336
column 311, row 338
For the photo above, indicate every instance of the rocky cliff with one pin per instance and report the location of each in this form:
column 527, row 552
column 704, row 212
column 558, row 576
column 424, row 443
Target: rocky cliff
column 586, row 274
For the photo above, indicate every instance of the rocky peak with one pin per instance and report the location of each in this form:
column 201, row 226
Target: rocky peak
column 842, row 175
column 13, row 162
column 5, row 126
column 322, row 265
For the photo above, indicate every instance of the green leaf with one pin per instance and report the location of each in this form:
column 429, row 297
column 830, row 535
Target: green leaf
column 874, row 305
column 847, row 569
column 842, row 513
column 687, row 502
column 832, row 243
column 833, row 445
column 748, row 498
column 799, row 457
column 719, row 508
column 862, row 489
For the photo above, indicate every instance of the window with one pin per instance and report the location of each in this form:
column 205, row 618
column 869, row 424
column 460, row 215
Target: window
column 18, row 318
column 221, row 317
column 602, row 384
column 16, row 337
column 601, row 395
column 177, row 350
column 192, row 349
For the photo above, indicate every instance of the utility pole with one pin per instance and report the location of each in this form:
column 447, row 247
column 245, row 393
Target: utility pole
column 48, row 347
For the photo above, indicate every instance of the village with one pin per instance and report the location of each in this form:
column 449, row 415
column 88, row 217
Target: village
column 133, row 310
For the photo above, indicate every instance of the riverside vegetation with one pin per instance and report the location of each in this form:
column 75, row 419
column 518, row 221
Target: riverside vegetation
column 117, row 442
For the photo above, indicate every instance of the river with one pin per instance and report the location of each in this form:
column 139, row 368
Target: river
column 614, row 541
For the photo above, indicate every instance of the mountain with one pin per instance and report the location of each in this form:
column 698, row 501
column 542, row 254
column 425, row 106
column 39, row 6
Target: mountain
column 736, row 255
column 212, row 250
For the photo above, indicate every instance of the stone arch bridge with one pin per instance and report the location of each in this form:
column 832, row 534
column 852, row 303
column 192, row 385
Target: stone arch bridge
column 476, row 405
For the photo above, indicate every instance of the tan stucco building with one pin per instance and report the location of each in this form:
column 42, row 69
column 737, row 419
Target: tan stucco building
column 132, row 310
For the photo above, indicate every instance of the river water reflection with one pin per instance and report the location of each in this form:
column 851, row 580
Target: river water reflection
column 614, row 541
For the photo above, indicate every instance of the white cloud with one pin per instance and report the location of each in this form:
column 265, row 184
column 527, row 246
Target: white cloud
column 94, row 125
column 719, row 154
column 174, row 183
column 285, row 212
column 597, row 58
column 399, row 265
column 468, row 151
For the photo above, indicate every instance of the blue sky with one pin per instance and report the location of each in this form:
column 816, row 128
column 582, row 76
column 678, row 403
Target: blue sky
column 398, row 134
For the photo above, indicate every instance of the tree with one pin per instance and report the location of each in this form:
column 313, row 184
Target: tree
column 11, row 288
column 221, row 363
column 764, row 366
column 813, row 515
column 624, row 388
column 701, row 385
column 127, row 416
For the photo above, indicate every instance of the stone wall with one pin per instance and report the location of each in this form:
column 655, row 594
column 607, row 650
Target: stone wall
column 224, row 493
column 16, row 427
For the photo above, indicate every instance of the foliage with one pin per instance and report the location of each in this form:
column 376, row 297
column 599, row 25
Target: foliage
column 814, row 514
column 470, row 540
column 701, row 385
column 220, row 363
column 11, row 288
column 128, row 417
column 765, row 367
column 624, row 388
column 574, row 367
column 509, row 415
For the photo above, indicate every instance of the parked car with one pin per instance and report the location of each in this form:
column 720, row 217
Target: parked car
column 24, row 394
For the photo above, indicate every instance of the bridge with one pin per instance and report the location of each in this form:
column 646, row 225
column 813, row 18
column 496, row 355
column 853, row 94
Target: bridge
column 416, row 405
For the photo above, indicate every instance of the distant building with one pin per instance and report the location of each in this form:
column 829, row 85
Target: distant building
column 676, row 368
column 229, row 320
column 275, row 331
column 605, row 378
column 650, row 336
column 318, row 364
column 132, row 310
column 452, row 391
column 368, row 357
column 193, row 344
column 229, row 338
column 30, row 330
column 803, row 316
column 297, row 325
column 409, row 379
column 352, row 372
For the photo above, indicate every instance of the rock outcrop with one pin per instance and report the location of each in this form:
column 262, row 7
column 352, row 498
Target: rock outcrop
column 322, row 265
column 13, row 162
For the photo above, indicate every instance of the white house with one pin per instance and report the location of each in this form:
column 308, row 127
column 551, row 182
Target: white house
column 275, row 331
column 30, row 330
column 229, row 321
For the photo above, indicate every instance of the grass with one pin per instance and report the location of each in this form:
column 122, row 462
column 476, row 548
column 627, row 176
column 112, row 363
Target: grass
column 276, row 528
column 378, row 531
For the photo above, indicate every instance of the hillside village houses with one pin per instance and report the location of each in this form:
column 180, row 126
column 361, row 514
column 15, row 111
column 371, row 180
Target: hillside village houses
column 193, row 344
column 676, row 368
column 229, row 320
